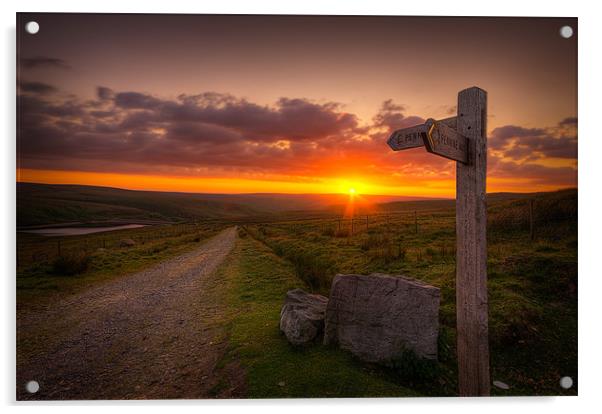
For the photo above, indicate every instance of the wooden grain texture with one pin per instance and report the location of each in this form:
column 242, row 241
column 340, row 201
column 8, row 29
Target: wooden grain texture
column 445, row 141
column 451, row 122
column 406, row 138
column 531, row 226
column 471, row 253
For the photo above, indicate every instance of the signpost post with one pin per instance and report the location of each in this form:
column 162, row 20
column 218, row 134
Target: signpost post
column 463, row 139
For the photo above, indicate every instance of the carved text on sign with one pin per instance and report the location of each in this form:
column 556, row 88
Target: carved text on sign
column 406, row 138
column 446, row 142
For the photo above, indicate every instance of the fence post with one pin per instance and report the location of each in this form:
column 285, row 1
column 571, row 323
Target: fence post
column 531, row 224
column 366, row 222
column 416, row 221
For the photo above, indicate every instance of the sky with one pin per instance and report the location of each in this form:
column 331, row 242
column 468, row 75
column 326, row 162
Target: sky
column 290, row 104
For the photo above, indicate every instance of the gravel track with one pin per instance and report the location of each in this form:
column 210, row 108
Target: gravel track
column 153, row 334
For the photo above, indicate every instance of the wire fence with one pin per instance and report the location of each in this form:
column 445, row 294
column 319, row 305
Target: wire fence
column 537, row 218
column 534, row 218
column 421, row 235
column 33, row 249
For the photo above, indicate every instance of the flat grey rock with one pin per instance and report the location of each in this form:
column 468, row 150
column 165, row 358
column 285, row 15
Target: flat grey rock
column 377, row 317
column 501, row 385
column 302, row 316
column 127, row 243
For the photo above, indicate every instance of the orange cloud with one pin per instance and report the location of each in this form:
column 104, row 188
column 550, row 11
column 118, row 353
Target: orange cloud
column 214, row 142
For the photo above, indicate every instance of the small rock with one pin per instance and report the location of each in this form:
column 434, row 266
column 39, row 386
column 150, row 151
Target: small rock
column 501, row 385
column 127, row 243
column 282, row 383
column 302, row 316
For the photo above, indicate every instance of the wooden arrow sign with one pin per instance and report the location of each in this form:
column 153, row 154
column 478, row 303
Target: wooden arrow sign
column 406, row 138
column 439, row 137
column 445, row 141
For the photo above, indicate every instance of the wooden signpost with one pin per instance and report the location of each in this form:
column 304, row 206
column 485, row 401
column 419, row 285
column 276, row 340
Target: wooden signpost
column 463, row 139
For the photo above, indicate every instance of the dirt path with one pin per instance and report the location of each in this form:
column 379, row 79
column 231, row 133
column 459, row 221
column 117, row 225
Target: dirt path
column 152, row 334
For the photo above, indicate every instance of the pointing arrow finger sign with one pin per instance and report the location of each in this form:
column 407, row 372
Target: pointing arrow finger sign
column 406, row 138
column 442, row 140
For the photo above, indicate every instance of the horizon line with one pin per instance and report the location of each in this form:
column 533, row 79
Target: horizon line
column 300, row 194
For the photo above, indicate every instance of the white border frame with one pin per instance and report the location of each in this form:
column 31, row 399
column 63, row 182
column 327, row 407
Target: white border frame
column 590, row 68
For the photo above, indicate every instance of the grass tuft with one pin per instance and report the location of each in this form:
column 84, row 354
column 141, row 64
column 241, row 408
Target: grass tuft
column 71, row 264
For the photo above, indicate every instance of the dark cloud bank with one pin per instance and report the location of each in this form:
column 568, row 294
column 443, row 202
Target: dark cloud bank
column 43, row 62
column 209, row 133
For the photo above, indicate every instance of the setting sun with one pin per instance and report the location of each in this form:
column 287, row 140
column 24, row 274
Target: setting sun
column 352, row 191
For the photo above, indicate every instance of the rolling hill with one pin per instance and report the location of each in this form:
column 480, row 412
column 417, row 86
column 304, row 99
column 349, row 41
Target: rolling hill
column 52, row 204
column 47, row 204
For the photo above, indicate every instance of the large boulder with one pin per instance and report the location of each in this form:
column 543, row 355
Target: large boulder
column 378, row 317
column 302, row 316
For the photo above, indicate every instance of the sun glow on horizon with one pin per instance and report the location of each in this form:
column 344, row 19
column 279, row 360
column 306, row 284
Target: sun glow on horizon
column 443, row 188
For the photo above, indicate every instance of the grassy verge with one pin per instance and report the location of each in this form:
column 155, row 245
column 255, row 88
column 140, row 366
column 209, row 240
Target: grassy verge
column 532, row 284
column 255, row 281
column 90, row 259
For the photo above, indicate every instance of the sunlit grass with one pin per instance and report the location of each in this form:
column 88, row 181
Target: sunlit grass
column 532, row 284
column 255, row 282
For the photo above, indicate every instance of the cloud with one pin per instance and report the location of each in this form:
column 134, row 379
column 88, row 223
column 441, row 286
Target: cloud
column 571, row 121
column 518, row 143
column 125, row 128
column 391, row 116
column 201, row 134
column 135, row 100
column 38, row 107
column 43, row 61
column 451, row 110
column 218, row 134
column 535, row 174
column 291, row 119
column 501, row 135
column 103, row 93
column 36, row 87
column 102, row 114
